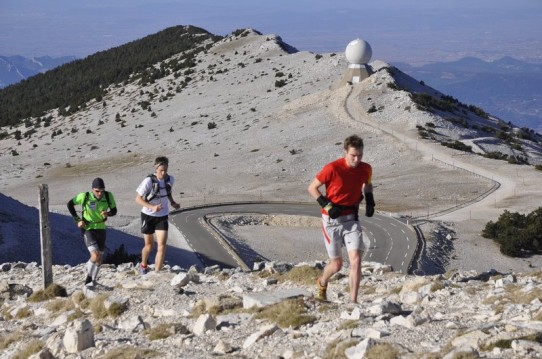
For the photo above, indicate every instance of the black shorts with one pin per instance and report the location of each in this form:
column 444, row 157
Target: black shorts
column 95, row 239
column 150, row 224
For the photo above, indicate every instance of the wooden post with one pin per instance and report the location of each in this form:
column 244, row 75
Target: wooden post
column 45, row 237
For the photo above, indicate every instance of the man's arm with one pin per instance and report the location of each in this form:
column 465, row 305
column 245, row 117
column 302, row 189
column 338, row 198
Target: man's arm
column 173, row 203
column 314, row 190
column 369, row 199
column 73, row 212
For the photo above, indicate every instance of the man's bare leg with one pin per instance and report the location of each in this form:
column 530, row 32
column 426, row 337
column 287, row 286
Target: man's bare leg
column 355, row 274
column 161, row 240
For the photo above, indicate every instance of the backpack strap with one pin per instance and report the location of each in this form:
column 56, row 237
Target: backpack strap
column 108, row 198
column 155, row 188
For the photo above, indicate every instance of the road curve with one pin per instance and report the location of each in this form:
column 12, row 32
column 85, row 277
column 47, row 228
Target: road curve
column 390, row 241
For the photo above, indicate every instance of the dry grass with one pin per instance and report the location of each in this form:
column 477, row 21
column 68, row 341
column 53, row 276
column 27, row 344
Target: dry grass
column 97, row 307
column 23, row 313
column 382, row 351
column 501, row 343
column 349, row 324
column 303, row 275
column 7, row 339
column 160, row 331
column 129, row 352
column 52, row 291
column 335, row 349
column 60, row 305
column 226, row 304
column 290, row 313
column 32, row 347
column 116, row 309
column 516, row 295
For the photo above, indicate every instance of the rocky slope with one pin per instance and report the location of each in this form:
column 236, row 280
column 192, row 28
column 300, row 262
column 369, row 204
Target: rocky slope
column 268, row 313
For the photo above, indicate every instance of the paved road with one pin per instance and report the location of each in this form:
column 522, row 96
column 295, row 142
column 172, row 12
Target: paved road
column 391, row 241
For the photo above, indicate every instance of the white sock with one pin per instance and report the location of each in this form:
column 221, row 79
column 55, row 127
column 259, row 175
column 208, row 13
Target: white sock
column 90, row 267
column 95, row 271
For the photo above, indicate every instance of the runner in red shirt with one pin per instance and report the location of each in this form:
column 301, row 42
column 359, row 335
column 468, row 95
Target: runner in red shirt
column 345, row 181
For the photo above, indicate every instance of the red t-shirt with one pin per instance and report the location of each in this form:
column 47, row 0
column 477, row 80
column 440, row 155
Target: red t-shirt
column 343, row 183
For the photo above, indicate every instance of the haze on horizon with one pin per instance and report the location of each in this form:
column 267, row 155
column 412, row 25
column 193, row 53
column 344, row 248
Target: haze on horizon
column 417, row 31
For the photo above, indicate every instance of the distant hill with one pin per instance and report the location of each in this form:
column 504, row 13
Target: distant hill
column 17, row 68
column 71, row 86
column 507, row 88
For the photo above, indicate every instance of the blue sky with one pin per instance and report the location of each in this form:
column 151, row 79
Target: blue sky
column 414, row 31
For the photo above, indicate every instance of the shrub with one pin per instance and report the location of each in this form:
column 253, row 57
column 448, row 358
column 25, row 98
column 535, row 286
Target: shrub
column 457, row 145
column 120, row 256
column 516, row 233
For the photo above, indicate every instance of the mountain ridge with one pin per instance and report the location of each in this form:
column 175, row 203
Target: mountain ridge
column 507, row 87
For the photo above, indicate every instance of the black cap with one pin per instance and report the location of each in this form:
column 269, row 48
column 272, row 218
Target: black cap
column 98, row 183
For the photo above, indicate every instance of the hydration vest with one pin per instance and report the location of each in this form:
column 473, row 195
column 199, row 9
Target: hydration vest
column 155, row 189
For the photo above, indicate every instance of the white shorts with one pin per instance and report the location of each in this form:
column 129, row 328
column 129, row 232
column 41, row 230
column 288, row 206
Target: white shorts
column 341, row 231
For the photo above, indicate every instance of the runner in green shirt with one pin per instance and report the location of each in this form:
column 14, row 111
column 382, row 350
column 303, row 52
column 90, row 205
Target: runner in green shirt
column 96, row 206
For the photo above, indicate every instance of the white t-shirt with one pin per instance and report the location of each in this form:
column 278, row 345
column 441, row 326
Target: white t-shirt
column 146, row 187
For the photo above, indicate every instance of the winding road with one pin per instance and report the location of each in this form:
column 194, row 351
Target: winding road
column 390, row 240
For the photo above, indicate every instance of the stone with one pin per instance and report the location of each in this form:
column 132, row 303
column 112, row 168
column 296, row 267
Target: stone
column 78, row 336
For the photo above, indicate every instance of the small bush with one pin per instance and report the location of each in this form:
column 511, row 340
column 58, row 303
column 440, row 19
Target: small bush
column 516, row 233
column 52, row 291
column 120, row 256
column 458, row 145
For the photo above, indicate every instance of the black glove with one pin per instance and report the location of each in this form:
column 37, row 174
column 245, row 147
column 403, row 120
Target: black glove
column 369, row 204
column 331, row 209
column 356, row 213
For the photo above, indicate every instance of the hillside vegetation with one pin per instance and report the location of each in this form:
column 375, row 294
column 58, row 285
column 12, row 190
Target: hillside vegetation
column 70, row 86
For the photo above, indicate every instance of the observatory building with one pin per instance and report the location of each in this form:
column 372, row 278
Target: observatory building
column 358, row 53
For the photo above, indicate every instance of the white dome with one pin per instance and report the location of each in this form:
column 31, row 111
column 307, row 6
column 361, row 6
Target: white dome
column 358, row 52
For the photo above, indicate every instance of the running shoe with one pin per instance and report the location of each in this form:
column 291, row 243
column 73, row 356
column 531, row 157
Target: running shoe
column 143, row 270
column 321, row 294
